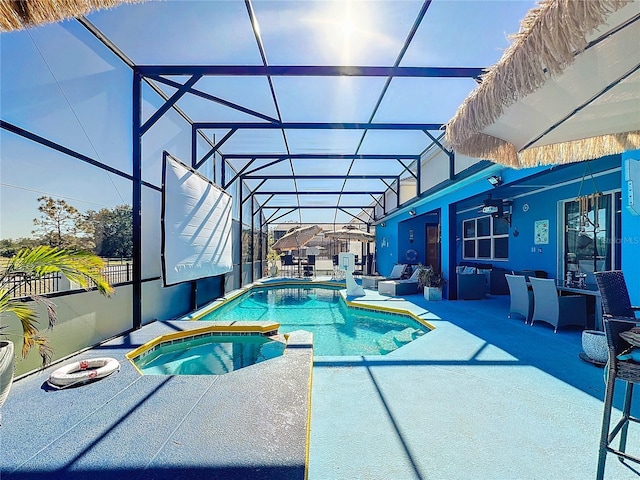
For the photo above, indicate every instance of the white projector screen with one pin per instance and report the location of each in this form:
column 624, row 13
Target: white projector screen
column 196, row 225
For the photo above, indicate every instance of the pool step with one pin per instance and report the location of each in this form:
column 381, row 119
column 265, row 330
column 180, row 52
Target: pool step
column 395, row 339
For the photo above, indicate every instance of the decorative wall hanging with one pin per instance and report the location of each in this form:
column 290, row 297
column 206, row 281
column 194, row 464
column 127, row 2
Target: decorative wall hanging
column 541, row 229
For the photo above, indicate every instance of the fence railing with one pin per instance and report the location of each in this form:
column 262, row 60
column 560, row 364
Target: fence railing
column 18, row 287
column 118, row 273
column 115, row 273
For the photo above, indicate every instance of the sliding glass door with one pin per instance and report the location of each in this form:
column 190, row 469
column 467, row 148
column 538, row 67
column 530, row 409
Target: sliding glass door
column 591, row 234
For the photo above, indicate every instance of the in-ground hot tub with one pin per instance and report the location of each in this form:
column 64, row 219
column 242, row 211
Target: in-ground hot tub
column 214, row 350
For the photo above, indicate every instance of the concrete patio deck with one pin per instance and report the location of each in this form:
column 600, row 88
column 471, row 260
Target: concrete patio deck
column 480, row 397
column 251, row 423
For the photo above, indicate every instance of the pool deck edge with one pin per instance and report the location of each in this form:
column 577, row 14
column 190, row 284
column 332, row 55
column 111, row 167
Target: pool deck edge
column 251, row 423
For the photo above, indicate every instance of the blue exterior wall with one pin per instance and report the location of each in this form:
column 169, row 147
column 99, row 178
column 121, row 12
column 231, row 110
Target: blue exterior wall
column 392, row 239
column 406, row 247
column 523, row 252
column 631, row 238
column 390, row 250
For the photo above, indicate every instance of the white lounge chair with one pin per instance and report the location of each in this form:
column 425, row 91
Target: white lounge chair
column 408, row 286
column 397, row 272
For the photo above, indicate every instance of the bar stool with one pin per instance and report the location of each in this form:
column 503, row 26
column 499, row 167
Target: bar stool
column 619, row 317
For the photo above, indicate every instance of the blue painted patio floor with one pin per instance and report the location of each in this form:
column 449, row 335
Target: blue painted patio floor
column 249, row 424
column 480, row 397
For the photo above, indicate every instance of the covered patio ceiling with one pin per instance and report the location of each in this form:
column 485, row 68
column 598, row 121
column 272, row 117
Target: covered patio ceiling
column 318, row 106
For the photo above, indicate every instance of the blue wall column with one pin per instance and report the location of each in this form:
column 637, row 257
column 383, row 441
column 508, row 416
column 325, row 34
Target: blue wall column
column 630, row 241
column 449, row 256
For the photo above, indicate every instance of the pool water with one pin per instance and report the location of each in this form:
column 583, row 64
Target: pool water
column 212, row 355
column 337, row 329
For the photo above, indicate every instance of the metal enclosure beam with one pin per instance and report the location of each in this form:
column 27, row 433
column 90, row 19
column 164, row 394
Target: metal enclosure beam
column 311, row 71
column 137, row 201
column 319, row 156
column 316, row 126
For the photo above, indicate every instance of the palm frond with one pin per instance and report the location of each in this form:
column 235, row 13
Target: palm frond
column 82, row 268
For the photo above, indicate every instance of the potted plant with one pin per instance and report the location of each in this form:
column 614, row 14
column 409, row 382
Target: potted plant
column 28, row 265
column 431, row 281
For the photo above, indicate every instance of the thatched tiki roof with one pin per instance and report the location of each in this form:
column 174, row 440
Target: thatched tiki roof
column 19, row 14
column 567, row 89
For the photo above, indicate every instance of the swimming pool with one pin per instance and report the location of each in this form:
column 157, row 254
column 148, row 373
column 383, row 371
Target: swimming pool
column 337, row 329
column 208, row 354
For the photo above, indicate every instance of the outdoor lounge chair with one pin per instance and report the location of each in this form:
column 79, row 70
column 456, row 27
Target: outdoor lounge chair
column 397, row 272
column 521, row 297
column 555, row 310
column 408, row 286
column 619, row 317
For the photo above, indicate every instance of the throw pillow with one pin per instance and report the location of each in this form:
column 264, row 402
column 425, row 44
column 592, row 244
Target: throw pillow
column 632, row 336
column 632, row 354
column 486, row 271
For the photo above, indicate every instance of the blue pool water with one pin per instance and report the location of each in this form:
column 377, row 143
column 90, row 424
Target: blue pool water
column 212, row 355
column 337, row 329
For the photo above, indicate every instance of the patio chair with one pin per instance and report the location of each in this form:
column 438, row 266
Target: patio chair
column 619, row 317
column 555, row 310
column 310, row 267
column 337, row 273
column 407, row 286
column 288, row 262
column 521, row 297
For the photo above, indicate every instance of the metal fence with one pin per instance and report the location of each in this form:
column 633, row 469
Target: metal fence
column 114, row 272
column 18, row 287
column 118, row 272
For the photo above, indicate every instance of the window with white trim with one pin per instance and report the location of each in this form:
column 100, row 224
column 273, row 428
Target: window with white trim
column 485, row 238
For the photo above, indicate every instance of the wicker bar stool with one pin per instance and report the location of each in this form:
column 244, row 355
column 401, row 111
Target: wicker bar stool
column 619, row 316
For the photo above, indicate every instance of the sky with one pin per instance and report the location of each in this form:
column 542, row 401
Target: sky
column 57, row 82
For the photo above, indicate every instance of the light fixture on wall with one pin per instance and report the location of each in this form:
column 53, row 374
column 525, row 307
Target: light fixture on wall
column 412, row 213
column 495, row 180
column 383, row 224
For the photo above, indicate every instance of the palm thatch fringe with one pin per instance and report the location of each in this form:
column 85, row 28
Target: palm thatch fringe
column 549, row 38
column 491, row 148
column 19, row 14
column 481, row 145
column 577, row 150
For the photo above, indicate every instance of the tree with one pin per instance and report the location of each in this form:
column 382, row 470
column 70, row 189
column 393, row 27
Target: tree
column 62, row 225
column 113, row 231
column 9, row 246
